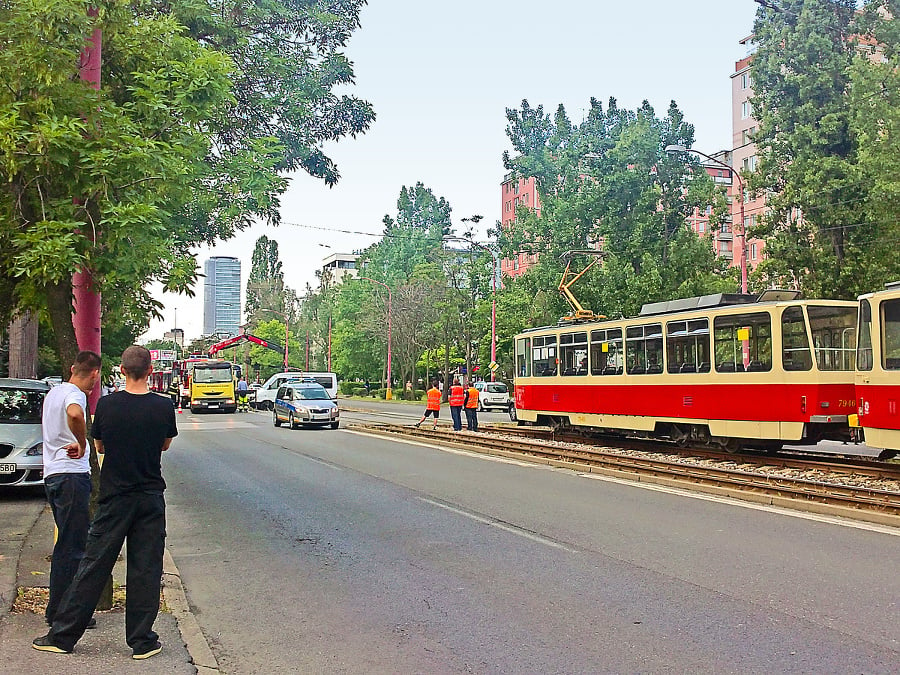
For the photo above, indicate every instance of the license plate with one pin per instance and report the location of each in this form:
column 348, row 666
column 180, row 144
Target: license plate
column 7, row 468
column 212, row 405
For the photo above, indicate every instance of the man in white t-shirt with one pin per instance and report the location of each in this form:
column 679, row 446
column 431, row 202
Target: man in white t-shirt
column 67, row 471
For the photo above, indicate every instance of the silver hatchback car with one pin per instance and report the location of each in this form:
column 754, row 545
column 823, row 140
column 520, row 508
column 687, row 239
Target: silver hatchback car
column 21, row 447
column 299, row 403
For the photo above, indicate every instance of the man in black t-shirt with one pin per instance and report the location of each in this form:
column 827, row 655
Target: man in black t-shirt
column 131, row 428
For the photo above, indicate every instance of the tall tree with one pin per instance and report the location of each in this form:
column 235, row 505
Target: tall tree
column 875, row 123
column 413, row 238
column 817, row 234
column 265, row 285
column 202, row 109
column 609, row 184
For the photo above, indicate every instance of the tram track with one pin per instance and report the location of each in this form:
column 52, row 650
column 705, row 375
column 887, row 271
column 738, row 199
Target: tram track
column 866, row 497
column 802, row 461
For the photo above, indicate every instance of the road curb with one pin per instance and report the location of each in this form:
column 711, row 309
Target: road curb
column 177, row 604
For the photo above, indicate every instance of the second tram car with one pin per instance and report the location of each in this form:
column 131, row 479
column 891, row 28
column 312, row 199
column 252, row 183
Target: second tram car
column 878, row 369
column 725, row 370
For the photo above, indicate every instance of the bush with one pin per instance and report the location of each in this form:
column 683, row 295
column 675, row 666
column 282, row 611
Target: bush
column 359, row 391
column 348, row 387
column 379, row 393
column 414, row 395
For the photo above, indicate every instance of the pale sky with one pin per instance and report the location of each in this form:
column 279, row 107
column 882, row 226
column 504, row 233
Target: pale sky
column 440, row 77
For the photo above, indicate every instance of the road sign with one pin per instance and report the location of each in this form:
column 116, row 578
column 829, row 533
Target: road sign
column 493, row 366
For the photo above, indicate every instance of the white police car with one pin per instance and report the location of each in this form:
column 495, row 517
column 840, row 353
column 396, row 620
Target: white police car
column 302, row 403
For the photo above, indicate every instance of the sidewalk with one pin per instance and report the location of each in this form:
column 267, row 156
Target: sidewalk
column 101, row 650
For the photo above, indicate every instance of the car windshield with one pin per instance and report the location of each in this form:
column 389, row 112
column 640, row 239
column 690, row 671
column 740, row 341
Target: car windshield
column 312, row 393
column 20, row 406
column 496, row 388
column 212, row 375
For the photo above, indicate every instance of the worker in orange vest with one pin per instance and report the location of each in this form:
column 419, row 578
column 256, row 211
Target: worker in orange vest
column 457, row 398
column 432, row 405
column 470, row 405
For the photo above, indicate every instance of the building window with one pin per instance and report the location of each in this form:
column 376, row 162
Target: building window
column 753, row 252
column 745, row 80
column 749, row 163
column 701, row 227
column 746, row 110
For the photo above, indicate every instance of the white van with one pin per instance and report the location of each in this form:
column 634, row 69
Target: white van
column 265, row 395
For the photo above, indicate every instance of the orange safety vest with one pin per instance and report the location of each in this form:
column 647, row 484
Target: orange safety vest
column 434, row 399
column 457, row 396
column 472, row 401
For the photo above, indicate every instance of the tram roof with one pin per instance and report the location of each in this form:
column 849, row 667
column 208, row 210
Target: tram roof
column 770, row 296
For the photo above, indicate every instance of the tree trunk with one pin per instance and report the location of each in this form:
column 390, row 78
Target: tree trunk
column 23, row 342
column 59, row 303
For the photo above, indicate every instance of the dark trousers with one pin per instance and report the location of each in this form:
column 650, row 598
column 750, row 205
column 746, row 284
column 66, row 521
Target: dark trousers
column 69, row 495
column 456, row 414
column 141, row 518
column 471, row 419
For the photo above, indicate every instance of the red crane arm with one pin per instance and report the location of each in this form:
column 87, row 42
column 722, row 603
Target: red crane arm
column 219, row 346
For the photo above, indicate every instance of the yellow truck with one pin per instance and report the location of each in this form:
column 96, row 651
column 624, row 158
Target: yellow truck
column 212, row 386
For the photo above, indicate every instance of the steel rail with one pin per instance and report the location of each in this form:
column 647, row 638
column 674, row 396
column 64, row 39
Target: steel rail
column 853, row 465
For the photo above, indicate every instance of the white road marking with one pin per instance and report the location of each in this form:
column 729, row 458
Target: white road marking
column 816, row 517
column 500, row 525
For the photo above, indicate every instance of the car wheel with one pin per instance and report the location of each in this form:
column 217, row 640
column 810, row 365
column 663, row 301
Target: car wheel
column 335, row 425
column 275, row 419
column 480, row 407
column 291, row 423
column 513, row 417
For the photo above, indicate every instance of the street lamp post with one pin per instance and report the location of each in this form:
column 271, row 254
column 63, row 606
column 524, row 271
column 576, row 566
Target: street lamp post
column 495, row 264
column 734, row 172
column 284, row 316
column 388, row 395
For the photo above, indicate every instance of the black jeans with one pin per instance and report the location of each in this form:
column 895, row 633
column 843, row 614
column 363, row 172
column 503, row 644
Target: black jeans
column 69, row 495
column 471, row 419
column 456, row 414
column 139, row 517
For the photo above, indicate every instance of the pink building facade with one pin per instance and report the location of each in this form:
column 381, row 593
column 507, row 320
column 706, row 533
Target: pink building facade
column 517, row 192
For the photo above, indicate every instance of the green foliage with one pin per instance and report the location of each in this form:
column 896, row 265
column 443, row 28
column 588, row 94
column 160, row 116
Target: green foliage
column 201, row 111
column 265, row 286
column 413, row 238
column 826, row 112
column 609, row 184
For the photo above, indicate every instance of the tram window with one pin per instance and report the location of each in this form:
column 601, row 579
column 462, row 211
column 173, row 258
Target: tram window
column 606, row 352
column 864, row 341
column 834, row 336
column 573, row 353
column 523, row 363
column 890, row 336
column 795, row 344
column 730, row 335
column 543, row 355
column 687, row 346
column 644, row 349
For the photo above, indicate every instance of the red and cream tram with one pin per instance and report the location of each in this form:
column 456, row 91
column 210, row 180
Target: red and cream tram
column 878, row 369
column 726, row 370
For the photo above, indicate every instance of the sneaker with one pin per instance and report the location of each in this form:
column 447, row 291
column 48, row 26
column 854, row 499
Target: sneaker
column 43, row 644
column 153, row 650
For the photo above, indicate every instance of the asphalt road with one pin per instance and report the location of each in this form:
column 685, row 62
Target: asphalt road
column 329, row 551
